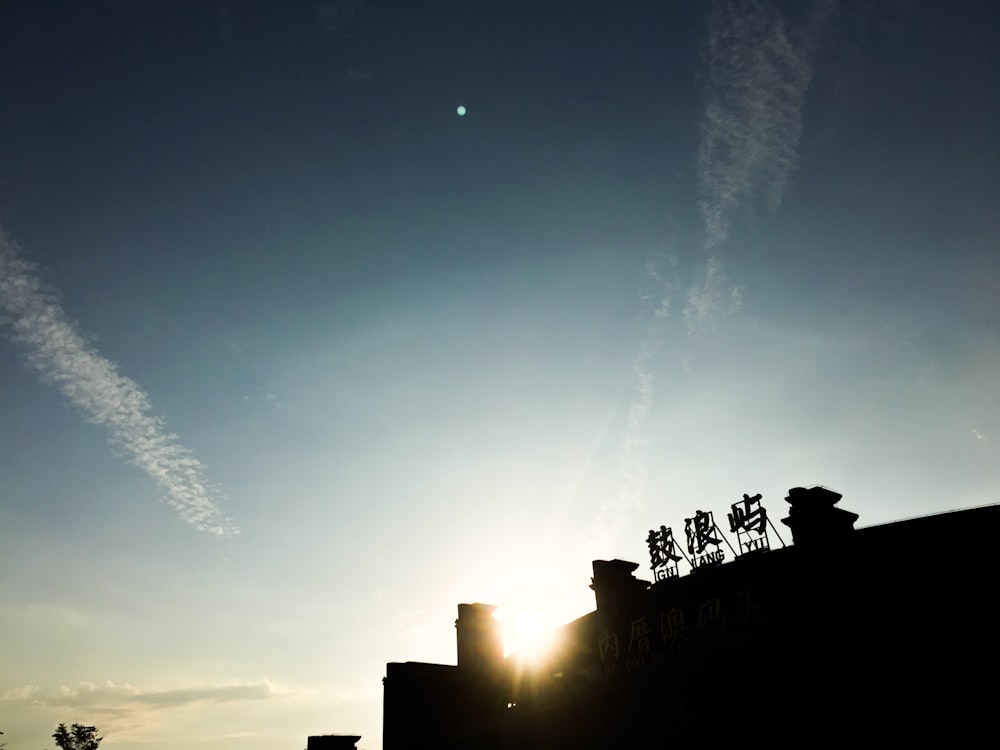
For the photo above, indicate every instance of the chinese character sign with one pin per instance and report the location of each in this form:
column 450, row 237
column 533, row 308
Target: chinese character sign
column 711, row 617
column 749, row 520
column 672, row 625
column 663, row 555
column 700, row 532
column 607, row 646
column 640, row 636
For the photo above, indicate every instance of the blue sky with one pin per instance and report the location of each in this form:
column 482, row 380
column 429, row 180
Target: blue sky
column 295, row 358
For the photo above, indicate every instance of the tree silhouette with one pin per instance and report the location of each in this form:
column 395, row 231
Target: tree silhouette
column 77, row 737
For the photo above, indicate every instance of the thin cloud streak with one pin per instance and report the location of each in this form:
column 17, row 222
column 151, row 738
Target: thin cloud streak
column 104, row 396
column 635, row 443
column 758, row 75
column 634, row 454
column 110, row 695
column 712, row 296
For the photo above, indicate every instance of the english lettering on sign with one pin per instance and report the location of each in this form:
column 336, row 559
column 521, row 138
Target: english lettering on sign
column 754, row 544
column 710, row 558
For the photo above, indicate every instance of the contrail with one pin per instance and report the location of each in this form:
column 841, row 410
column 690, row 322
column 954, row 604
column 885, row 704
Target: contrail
column 635, row 443
column 634, row 456
column 104, row 396
column 758, row 75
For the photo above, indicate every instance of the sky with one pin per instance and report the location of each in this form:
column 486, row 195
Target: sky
column 294, row 357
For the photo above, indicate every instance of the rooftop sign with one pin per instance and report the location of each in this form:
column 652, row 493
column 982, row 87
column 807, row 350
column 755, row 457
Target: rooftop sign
column 748, row 519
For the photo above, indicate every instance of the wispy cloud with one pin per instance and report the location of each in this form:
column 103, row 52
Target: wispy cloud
column 711, row 296
column 655, row 297
column 634, row 453
column 758, row 75
column 112, row 696
column 104, row 396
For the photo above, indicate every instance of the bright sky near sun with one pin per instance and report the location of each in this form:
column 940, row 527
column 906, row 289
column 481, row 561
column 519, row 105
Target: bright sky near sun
column 296, row 354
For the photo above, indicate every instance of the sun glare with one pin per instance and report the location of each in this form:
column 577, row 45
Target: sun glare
column 526, row 634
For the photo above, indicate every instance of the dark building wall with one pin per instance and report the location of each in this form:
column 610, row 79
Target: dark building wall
column 885, row 633
column 434, row 703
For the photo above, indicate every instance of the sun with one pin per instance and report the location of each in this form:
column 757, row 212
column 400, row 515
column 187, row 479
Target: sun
column 527, row 635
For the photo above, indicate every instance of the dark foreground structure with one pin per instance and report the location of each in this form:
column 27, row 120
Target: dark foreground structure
column 881, row 635
column 333, row 742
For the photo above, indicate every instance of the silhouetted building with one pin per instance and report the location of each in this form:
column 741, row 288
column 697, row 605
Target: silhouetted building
column 884, row 634
column 332, row 742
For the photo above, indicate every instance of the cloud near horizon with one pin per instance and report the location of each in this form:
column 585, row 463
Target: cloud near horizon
column 110, row 696
column 104, row 396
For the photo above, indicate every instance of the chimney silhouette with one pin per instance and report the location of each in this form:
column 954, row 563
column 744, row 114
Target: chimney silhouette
column 480, row 643
column 813, row 517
